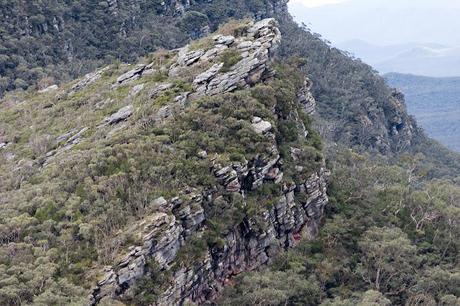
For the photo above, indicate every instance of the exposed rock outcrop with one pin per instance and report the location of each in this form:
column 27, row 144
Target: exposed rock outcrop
column 49, row 89
column 121, row 115
column 250, row 242
column 305, row 98
column 261, row 126
column 64, row 143
column 247, row 246
column 255, row 47
column 88, row 79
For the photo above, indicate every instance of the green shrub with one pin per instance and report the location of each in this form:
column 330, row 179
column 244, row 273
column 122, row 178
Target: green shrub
column 229, row 57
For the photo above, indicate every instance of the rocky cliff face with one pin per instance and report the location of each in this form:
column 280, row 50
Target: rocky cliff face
column 247, row 246
column 251, row 242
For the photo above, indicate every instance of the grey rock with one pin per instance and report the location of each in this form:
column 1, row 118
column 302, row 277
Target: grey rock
column 296, row 153
column 49, row 89
column 247, row 72
column 233, row 186
column 188, row 58
column 158, row 89
column 203, row 154
column 66, row 136
column 136, row 90
column 76, row 137
column 163, row 113
column 214, row 52
column 224, row 40
column 245, row 45
column 160, row 203
column 259, row 26
column 260, row 126
column 182, row 99
column 69, row 140
column 305, row 98
column 208, row 74
column 9, row 156
column 131, row 75
column 121, row 115
column 87, row 80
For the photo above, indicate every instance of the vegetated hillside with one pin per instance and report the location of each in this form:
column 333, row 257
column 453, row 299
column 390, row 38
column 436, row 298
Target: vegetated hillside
column 435, row 102
column 405, row 203
column 53, row 40
column 356, row 108
column 389, row 239
column 161, row 182
column 157, row 182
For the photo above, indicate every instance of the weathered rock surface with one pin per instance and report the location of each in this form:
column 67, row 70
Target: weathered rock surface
column 247, row 244
column 49, row 89
column 208, row 74
column 261, row 126
column 255, row 47
column 64, row 143
column 305, row 98
column 156, row 91
column 136, row 90
column 121, row 115
column 131, row 75
column 88, row 79
column 224, row 40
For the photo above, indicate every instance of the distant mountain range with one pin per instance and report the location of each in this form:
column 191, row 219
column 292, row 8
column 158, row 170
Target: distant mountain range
column 435, row 102
column 433, row 60
column 382, row 21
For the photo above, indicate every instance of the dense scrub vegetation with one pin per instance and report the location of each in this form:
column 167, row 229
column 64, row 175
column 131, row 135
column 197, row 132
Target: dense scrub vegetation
column 347, row 90
column 46, row 42
column 391, row 238
column 61, row 223
column 66, row 216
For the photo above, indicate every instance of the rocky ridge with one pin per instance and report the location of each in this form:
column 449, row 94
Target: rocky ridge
column 112, row 133
column 257, row 239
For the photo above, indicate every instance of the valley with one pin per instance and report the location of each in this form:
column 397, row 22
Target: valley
column 435, row 102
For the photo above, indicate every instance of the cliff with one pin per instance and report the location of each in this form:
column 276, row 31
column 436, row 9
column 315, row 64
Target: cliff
column 246, row 245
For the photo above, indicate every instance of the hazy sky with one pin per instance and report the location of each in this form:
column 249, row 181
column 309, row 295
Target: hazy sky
column 316, row 3
column 382, row 21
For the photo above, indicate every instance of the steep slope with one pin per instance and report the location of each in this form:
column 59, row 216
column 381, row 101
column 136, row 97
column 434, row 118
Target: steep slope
column 158, row 182
column 358, row 108
column 178, row 173
column 353, row 99
column 435, row 102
